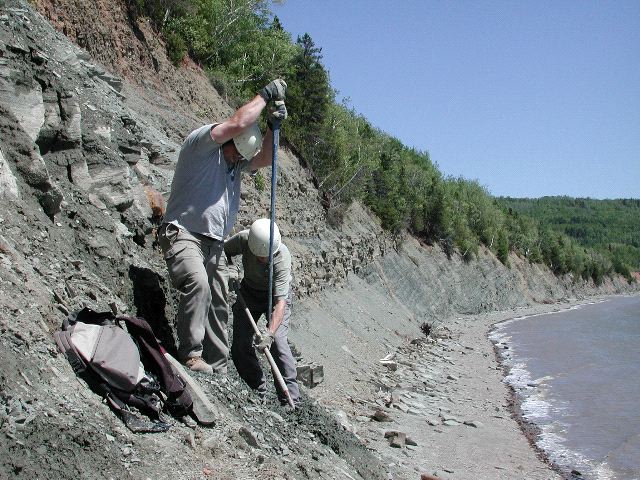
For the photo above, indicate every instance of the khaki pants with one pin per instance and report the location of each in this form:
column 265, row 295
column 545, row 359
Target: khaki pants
column 198, row 270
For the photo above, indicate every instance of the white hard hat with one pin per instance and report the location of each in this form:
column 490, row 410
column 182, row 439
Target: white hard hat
column 259, row 234
column 249, row 142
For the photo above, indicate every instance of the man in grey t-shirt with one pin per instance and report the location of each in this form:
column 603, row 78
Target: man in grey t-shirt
column 202, row 207
column 253, row 245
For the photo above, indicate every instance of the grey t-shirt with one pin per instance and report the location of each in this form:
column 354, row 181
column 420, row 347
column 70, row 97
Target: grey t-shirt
column 256, row 274
column 205, row 192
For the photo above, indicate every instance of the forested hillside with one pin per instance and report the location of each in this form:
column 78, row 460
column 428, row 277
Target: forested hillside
column 241, row 45
column 609, row 226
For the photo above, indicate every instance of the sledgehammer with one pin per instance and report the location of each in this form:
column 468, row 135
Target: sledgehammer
column 274, row 368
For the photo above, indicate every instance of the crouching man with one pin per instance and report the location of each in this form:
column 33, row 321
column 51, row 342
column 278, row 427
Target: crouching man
column 253, row 245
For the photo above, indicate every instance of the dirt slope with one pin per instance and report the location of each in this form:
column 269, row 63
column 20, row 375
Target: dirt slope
column 89, row 137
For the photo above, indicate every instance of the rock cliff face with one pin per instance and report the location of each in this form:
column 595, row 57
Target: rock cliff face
column 89, row 138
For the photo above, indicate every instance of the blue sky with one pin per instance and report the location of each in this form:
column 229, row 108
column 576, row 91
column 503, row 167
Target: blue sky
column 531, row 98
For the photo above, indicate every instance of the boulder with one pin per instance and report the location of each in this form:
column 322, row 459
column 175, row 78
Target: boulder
column 310, row 375
column 23, row 97
column 113, row 186
column 51, row 201
column 71, row 134
column 34, row 170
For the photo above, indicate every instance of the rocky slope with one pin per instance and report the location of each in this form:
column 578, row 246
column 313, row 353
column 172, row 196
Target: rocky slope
column 89, row 137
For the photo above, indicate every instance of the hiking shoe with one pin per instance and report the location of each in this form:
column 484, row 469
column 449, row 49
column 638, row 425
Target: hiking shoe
column 197, row 364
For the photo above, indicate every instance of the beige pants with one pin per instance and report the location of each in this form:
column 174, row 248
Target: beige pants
column 198, row 270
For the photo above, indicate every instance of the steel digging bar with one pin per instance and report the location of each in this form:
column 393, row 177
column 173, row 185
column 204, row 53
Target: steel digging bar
column 274, row 174
column 274, row 177
column 274, row 368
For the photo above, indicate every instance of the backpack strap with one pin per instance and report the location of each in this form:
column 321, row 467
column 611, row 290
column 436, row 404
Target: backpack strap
column 179, row 401
column 134, row 422
column 63, row 341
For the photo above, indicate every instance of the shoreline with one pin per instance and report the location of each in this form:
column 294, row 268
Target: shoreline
column 442, row 394
column 529, row 429
column 449, row 396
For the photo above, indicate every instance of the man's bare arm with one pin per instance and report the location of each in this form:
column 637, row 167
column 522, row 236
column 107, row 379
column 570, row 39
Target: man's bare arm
column 244, row 117
column 264, row 156
column 277, row 315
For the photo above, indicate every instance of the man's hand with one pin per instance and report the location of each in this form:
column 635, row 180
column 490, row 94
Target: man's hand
column 277, row 114
column 233, row 275
column 276, row 90
column 264, row 341
column 234, row 284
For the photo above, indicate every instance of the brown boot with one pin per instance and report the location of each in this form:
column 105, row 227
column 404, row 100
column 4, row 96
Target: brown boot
column 197, row 364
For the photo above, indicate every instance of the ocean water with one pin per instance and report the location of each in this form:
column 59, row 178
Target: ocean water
column 577, row 374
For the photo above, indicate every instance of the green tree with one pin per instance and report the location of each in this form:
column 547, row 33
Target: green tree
column 503, row 248
column 308, row 99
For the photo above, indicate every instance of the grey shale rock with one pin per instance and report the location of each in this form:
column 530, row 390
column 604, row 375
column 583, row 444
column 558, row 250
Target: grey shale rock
column 249, row 437
column 381, row 416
